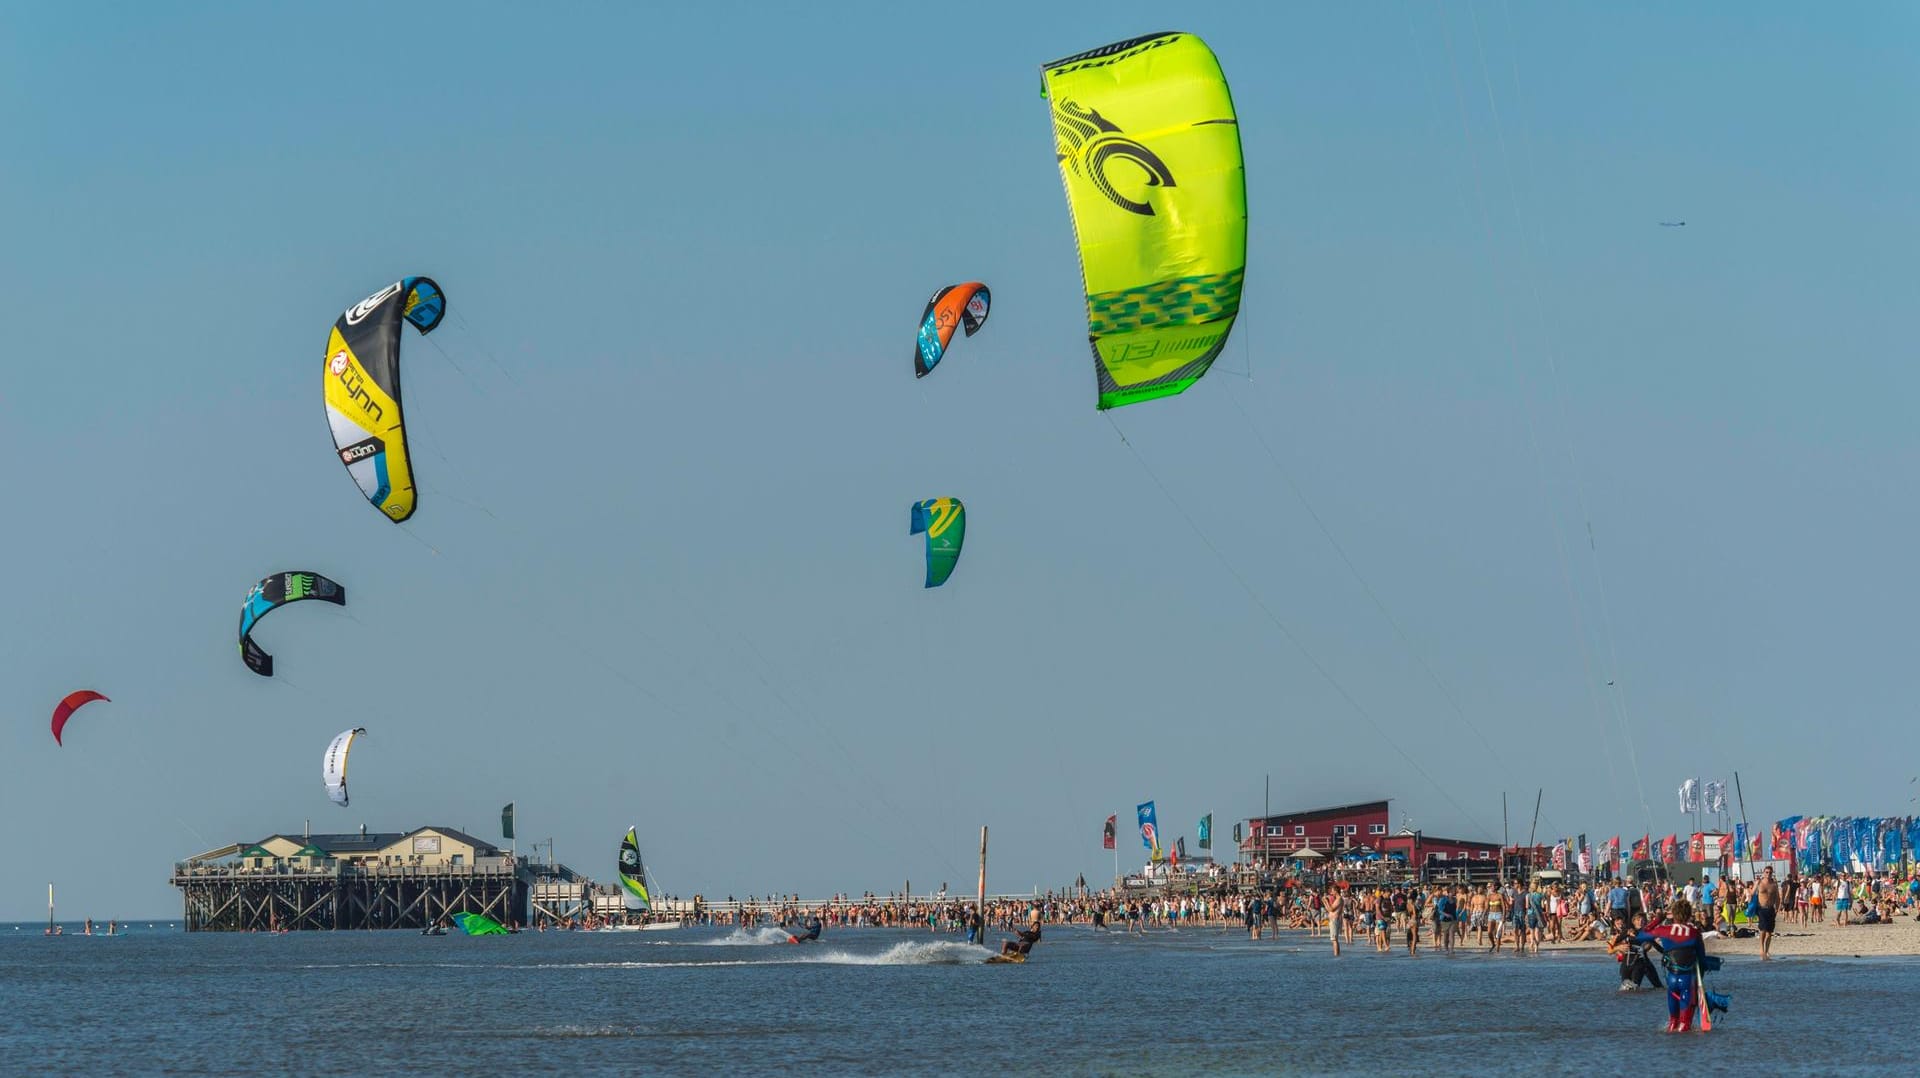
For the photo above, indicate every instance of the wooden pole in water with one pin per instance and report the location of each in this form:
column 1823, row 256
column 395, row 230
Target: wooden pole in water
column 981, row 907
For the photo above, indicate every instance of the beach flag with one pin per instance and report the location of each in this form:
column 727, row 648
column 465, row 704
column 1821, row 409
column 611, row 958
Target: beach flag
column 1689, row 796
column 1783, row 837
column 1149, row 830
column 1670, row 848
column 1179, row 850
column 1697, row 847
column 1560, row 856
column 1206, row 831
column 506, row 821
column 1236, row 835
column 1106, row 833
column 1715, row 799
column 1643, row 848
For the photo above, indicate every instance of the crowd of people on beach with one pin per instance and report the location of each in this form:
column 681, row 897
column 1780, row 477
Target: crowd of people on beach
column 1514, row 917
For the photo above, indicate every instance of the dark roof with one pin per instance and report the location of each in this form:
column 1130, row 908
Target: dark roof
column 353, row 842
column 1311, row 815
column 349, row 843
column 1436, row 840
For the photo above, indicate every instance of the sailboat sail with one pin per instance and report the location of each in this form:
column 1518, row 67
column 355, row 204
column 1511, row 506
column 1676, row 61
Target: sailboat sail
column 633, row 876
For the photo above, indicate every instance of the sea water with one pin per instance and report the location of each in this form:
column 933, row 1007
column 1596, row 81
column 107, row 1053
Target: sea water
column 880, row 1001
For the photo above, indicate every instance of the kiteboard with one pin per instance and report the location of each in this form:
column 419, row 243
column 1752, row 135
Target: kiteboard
column 1015, row 958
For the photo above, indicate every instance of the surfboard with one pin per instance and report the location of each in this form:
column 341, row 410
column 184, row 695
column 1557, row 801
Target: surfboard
column 1014, row 958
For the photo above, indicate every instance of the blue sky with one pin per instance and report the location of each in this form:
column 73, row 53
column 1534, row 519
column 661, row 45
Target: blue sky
column 661, row 575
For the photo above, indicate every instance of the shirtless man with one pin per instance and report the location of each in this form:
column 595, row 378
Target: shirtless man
column 1767, row 895
column 1332, row 905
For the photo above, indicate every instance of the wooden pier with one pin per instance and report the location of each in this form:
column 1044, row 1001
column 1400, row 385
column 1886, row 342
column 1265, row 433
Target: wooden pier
column 411, row 880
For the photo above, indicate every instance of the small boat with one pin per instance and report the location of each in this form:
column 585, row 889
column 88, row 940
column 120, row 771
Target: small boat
column 633, row 879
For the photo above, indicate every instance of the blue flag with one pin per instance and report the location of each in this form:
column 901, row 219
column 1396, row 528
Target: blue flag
column 1149, row 830
column 1206, row 831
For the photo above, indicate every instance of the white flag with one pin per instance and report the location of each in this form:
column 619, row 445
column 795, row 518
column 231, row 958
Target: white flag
column 1716, row 797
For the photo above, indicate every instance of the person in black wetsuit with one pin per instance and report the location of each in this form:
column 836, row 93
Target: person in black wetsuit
column 810, row 930
column 1023, row 941
column 1635, row 966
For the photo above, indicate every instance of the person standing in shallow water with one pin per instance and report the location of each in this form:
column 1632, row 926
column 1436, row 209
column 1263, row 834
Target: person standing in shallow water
column 1332, row 906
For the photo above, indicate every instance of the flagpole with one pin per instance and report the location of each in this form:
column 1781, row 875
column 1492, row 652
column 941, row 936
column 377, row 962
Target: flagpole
column 1503, row 838
column 1531, row 831
column 1744, row 825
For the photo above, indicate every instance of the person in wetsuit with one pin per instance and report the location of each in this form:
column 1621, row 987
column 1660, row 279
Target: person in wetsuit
column 1024, row 940
column 810, row 930
column 1635, row 967
column 1684, row 953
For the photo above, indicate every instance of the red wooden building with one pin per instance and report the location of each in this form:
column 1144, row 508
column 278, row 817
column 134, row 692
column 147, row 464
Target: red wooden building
column 1324, row 831
column 1417, row 848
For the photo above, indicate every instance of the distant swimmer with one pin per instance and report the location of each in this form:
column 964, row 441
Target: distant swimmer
column 810, row 930
column 1023, row 941
column 1673, row 224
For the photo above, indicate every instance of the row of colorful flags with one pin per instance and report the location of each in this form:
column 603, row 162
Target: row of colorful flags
column 1814, row 842
column 1846, row 843
column 1148, row 817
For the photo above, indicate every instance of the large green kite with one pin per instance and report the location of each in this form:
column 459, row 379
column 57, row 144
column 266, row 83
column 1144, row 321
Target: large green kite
column 1149, row 150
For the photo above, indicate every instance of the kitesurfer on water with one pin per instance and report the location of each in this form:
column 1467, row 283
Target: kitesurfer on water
column 1023, row 941
column 811, row 929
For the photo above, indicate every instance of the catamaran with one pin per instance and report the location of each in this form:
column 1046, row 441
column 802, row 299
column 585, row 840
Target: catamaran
column 633, row 876
column 633, row 879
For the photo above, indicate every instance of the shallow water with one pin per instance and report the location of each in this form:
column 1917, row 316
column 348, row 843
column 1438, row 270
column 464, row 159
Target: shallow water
column 884, row 1001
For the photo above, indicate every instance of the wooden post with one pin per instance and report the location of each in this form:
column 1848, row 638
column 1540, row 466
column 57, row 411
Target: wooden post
column 981, row 908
